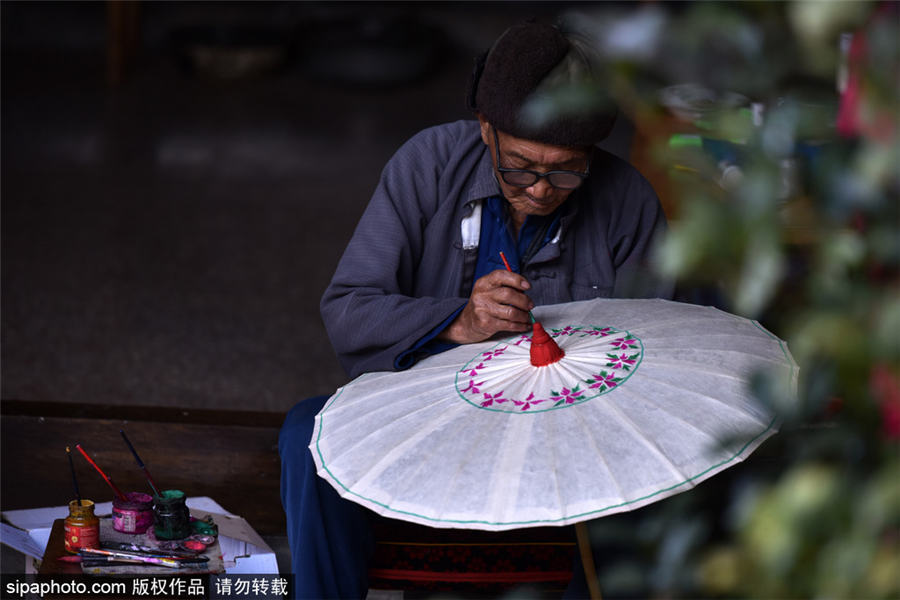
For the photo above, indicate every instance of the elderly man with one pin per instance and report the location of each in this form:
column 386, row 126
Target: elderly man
column 423, row 272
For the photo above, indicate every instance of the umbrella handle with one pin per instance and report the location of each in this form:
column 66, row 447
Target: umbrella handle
column 587, row 560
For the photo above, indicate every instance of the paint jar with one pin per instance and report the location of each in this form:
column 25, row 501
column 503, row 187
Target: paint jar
column 170, row 516
column 134, row 515
column 81, row 527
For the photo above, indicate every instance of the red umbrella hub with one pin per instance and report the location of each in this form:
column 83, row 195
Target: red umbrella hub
column 544, row 350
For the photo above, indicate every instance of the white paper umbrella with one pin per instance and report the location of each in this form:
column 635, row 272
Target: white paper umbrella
column 651, row 398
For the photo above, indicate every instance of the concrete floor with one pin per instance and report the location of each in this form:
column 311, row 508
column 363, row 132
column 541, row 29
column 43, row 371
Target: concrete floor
column 166, row 243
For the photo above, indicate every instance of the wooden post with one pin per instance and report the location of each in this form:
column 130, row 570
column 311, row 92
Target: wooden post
column 122, row 38
column 587, row 560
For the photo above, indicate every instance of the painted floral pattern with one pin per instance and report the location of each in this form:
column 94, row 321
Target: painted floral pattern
column 502, row 379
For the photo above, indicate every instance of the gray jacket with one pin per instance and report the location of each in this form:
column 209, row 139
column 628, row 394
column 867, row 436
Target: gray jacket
column 410, row 262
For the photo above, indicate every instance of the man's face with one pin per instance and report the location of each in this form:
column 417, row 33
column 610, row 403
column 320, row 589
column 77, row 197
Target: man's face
column 540, row 198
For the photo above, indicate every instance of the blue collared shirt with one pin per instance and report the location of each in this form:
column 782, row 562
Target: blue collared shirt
column 496, row 236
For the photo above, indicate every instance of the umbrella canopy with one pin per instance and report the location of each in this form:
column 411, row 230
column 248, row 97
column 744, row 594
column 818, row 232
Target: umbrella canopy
column 651, row 398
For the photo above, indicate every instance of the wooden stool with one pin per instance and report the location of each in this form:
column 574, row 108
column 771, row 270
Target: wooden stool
column 424, row 560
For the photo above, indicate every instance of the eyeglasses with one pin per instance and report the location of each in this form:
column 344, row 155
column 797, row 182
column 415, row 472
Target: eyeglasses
column 562, row 180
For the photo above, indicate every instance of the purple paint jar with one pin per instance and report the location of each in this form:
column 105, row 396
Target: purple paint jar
column 134, row 515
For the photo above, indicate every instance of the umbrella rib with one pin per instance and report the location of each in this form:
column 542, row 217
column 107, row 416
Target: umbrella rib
column 439, row 512
column 370, row 403
column 653, row 446
column 557, row 488
column 368, row 435
column 385, row 461
column 693, row 426
column 731, row 407
column 371, row 408
column 698, row 369
column 511, row 428
column 654, row 347
column 682, row 321
column 597, row 451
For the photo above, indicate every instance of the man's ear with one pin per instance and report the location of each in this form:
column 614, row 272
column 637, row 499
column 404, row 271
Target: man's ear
column 485, row 130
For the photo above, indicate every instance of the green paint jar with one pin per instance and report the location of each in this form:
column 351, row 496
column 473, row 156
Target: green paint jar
column 171, row 519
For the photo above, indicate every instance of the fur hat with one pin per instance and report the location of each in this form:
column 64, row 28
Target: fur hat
column 516, row 69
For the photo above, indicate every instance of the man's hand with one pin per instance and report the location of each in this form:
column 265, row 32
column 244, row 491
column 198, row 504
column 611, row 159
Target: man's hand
column 497, row 303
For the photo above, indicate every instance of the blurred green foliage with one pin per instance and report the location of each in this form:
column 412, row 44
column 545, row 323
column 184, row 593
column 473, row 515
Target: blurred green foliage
column 802, row 233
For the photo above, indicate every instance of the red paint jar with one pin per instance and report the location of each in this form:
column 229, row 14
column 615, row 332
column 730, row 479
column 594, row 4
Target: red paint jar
column 134, row 515
column 81, row 527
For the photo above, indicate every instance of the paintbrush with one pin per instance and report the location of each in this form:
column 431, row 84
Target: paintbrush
column 74, row 478
column 171, row 563
column 508, row 268
column 140, row 463
column 128, row 547
column 95, row 560
column 102, row 474
column 543, row 350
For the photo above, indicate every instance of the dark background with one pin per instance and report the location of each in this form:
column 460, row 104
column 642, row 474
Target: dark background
column 169, row 228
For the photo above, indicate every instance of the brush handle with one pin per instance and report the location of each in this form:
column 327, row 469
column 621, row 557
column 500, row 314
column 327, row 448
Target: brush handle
column 74, row 478
column 176, row 554
column 140, row 463
column 150, row 481
column 150, row 560
column 508, row 268
column 133, row 451
column 102, row 474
